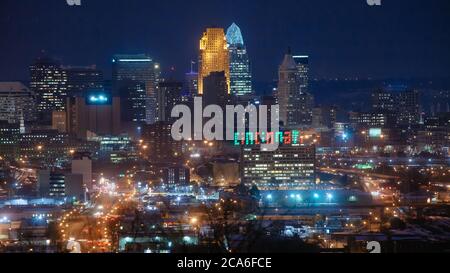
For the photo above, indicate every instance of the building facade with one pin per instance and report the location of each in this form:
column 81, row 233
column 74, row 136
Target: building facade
column 96, row 113
column 142, row 69
column 296, row 104
column 214, row 56
column 17, row 103
column 83, row 78
column 169, row 95
column 290, row 167
column 240, row 73
column 49, row 83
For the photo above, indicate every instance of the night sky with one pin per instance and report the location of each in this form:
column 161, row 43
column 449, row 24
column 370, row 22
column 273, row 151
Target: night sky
column 345, row 38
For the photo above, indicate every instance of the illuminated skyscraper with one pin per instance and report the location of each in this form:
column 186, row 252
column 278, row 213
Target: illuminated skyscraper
column 296, row 103
column 49, row 83
column 142, row 69
column 214, row 56
column 288, row 90
column 240, row 75
column 306, row 98
column 133, row 99
column 80, row 79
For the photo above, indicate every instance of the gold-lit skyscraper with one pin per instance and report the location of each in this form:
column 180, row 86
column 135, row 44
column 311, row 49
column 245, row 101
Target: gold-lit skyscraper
column 214, row 56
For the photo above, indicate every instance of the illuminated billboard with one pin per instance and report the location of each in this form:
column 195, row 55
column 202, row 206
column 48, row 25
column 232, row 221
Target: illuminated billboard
column 98, row 98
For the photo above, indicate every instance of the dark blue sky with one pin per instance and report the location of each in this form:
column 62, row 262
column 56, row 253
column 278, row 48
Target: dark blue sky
column 345, row 38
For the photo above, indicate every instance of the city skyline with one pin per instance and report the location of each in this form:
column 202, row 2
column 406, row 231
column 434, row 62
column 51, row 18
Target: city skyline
column 405, row 47
column 114, row 143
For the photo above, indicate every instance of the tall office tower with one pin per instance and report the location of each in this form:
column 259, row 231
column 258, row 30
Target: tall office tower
column 215, row 89
column 214, row 56
column 306, row 98
column 240, row 74
column 383, row 101
column 80, row 79
column 295, row 105
column 49, row 83
column 94, row 112
column 17, row 103
column 287, row 90
column 133, row 97
column 290, row 167
column 140, row 68
column 408, row 106
column 169, row 95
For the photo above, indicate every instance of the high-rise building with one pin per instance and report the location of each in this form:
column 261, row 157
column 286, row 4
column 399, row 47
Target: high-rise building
column 296, row 104
column 83, row 78
column 95, row 112
column 405, row 105
column 214, row 56
column 133, row 97
column 169, row 95
column 240, row 73
column 139, row 68
column 215, row 89
column 306, row 98
column 17, row 103
column 49, row 83
column 290, row 167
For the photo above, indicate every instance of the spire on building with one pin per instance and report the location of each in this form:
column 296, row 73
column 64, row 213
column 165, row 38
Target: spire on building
column 234, row 35
column 288, row 62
